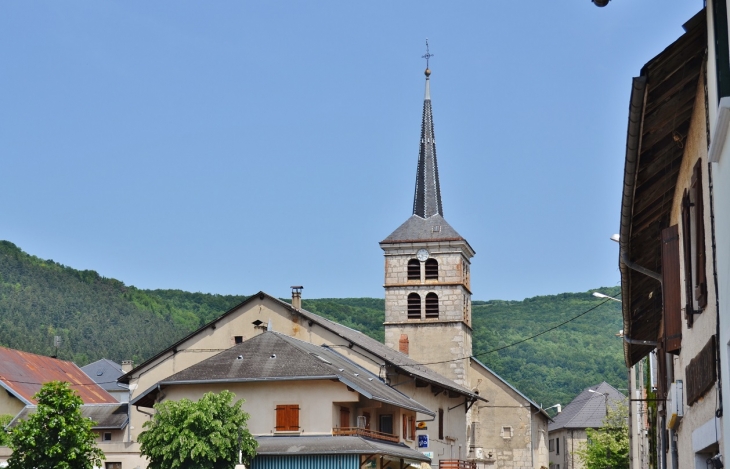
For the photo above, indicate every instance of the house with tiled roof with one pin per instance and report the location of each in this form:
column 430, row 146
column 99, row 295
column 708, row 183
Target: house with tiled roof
column 298, row 392
column 567, row 431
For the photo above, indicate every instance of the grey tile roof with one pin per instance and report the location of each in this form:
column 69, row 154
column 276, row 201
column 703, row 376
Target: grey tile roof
column 299, row 445
column 427, row 198
column 105, row 373
column 271, row 356
column 106, row 416
column 588, row 408
column 417, row 229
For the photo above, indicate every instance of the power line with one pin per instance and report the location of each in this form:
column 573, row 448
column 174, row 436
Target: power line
column 514, row 343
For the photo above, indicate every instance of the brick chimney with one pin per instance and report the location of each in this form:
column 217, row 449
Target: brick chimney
column 296, row 296
column 403, row 344
column 127, row 365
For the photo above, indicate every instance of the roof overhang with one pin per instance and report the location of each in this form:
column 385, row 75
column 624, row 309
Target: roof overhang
column 661, row 106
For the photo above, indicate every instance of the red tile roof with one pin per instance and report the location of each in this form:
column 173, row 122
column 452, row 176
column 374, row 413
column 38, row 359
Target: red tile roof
column 23, row 373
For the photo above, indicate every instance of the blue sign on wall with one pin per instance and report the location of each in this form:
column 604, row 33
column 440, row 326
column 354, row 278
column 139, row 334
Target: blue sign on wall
column 423, row 441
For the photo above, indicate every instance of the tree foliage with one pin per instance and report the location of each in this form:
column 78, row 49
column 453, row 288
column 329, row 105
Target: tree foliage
column 608, row 446
column 200, row 434
column 4, row 434
column 56, row 436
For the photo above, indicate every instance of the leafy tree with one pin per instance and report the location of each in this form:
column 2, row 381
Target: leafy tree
column 608, row 446
column 4, row 435
column 201, row 435
column 56, row 436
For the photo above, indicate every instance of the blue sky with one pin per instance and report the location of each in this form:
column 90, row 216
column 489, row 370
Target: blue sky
column 230, row 147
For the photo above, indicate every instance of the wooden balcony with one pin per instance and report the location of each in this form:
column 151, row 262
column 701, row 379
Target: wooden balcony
column 356, row 431
column 457, row 464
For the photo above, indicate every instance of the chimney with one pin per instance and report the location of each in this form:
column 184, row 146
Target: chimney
column 127, row 365
column 296, row 296
column 403, row 344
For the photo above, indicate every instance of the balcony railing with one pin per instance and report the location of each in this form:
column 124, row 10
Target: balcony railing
column 356, row 431
column 457, row 464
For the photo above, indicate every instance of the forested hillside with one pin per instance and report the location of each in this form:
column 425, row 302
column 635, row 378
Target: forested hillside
column 100, row 317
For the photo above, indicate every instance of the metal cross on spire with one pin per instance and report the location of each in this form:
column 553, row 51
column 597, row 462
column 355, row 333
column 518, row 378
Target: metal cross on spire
column 428, row 54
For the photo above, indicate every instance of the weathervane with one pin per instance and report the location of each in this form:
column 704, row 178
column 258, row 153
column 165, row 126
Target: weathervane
column 427, row 56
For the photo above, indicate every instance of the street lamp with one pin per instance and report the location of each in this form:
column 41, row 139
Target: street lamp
column 601, row 295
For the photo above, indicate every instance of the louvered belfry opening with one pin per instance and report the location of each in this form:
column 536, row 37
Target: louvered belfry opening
column 414, row 306
column 432, row 306
column 432, row 269
column 414, row 269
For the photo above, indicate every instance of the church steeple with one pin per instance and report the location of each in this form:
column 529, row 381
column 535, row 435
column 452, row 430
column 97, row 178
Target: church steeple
column 427, row 199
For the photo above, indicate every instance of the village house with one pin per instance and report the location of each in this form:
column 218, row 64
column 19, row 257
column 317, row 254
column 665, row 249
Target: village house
column 668, row 263
column 567, row 432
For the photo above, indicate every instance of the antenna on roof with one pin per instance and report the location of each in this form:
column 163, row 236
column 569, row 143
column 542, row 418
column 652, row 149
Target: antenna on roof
column 56, row 344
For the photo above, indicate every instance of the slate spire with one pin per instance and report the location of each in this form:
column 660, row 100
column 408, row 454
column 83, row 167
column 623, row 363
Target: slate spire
column 427, row 199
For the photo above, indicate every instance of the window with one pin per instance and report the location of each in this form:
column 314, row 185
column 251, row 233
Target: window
column 106, row 436
column 557, row 445
column 287, row 418
column 551, row 445
column 414, row 306
column 432, row 306
column 113, row 465
column 238, row 339
column 693, row 244
column 414, row 269
column 432, row 269
column 386, row 424
column 506, row 432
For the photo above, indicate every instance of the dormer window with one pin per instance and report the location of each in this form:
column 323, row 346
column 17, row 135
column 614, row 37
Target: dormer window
column 414, row 269
column 432, row 269
column 414, row 306
column 432, row 306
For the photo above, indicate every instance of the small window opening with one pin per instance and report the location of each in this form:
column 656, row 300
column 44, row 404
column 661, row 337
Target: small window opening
column 238, row 339
column 414, row 306
column 414, row 269
column 432, row 306
column 432, row 269
column 107, row 436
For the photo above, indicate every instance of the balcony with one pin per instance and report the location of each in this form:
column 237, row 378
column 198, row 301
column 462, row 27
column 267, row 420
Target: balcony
column 457, row 464
column 356, row 431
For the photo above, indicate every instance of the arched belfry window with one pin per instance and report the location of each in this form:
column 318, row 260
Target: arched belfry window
column 414, row 306
column 414, row 269
column 432, row 306
column 432, row 269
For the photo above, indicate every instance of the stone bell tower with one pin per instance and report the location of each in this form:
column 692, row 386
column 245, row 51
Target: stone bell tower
column 427, row 283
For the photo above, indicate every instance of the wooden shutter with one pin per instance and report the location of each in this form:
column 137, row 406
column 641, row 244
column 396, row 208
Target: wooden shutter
column 287, row 418
column 687, row 252
column 701, row 372
column 344, row 417
column 405, row 427
column 441, row 424
column 671, row 289
column 412, row 434
column 700, row 265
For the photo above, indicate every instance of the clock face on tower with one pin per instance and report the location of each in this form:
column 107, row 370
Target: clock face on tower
column 422, row 255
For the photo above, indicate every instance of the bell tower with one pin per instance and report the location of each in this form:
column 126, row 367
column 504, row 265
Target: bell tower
column 427, row 283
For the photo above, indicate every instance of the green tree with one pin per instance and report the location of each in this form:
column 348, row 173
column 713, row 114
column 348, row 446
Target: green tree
column 608, row 446
column 4, row 435
column 56, row 436
column 203, row 434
